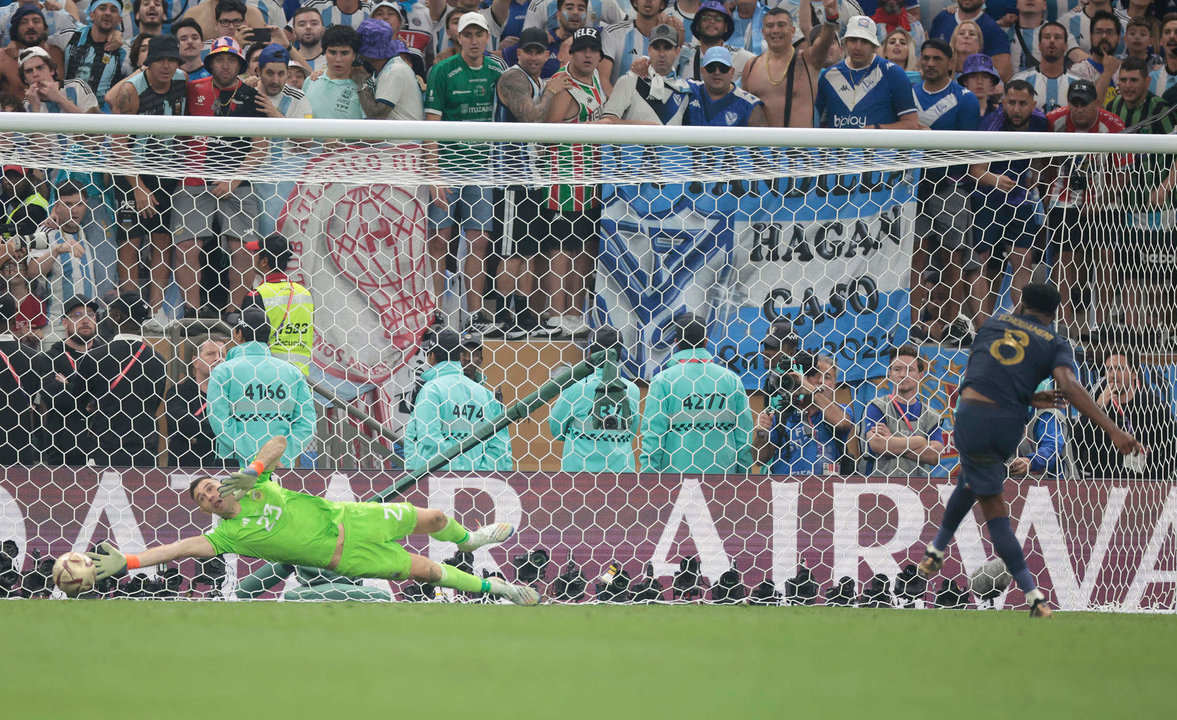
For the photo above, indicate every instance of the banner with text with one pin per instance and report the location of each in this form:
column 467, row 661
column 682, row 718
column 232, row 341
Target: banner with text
column 830, row 253
column 1092, row 545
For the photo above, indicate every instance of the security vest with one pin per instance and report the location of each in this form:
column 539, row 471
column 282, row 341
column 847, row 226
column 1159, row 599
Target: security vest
column 292, row 319
column 34, row 199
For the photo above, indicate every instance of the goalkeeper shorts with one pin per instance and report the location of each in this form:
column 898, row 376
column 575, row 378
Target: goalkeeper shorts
column 370, row 547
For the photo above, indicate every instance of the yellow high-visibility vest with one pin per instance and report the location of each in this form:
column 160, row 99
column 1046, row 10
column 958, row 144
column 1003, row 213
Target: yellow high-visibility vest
column 292, row 321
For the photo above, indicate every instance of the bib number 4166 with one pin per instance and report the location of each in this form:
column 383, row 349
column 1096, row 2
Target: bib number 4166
column 260, row 391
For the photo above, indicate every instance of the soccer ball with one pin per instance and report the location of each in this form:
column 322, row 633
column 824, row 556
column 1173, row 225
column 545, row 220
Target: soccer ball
column 73, row 573
column 990, row 580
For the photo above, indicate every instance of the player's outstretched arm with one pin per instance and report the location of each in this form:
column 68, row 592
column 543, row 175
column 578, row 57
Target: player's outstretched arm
column 271, row 452
column 1077, row 395
column 108, row 561
column 267, row 458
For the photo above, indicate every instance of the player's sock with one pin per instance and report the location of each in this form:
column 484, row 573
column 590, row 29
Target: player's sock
column 1010, row 550
column 452, row 532
column 960, row 502
column 451, row 577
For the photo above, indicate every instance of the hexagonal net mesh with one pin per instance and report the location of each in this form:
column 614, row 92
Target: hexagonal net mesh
column 680, row 369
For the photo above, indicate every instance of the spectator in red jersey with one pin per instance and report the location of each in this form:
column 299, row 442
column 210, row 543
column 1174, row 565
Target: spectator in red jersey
column 229, row 205
column 1081, row 187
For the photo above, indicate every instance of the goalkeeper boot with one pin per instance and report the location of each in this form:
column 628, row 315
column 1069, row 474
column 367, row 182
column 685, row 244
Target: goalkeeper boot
column 932, row 562
column 518, row 594
column 487, row 535
column 1038, row 606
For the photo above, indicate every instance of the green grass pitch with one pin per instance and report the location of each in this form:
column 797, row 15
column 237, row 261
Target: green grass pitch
column 338, row 661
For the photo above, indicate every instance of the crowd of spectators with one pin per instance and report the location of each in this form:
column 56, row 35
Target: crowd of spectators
column 527, row 255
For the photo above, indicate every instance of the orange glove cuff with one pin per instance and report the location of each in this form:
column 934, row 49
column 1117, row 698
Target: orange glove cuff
column 258, row 466
column 132, row 561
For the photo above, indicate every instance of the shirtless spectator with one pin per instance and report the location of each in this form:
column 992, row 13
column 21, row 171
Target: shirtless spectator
column 28, row 30
column 783, row 68
column 216, row 24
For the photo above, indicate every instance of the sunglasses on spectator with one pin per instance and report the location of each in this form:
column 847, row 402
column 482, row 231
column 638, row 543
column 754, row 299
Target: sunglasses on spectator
column 716, row 68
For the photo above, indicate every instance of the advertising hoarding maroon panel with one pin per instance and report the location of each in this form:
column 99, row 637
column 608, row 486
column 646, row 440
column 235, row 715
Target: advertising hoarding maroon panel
column 1094, row 545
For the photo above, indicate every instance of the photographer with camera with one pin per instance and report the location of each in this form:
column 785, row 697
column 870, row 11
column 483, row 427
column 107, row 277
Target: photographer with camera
column 902, row 433
column 803, row 430
column 597, row 421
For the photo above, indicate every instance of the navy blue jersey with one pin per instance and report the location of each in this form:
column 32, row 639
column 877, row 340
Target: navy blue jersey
column 878, row 94
column 1011, row 355
column 731, row 110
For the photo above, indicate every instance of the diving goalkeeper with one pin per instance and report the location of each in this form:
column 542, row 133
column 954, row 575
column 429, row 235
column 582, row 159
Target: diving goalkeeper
column 261, row 519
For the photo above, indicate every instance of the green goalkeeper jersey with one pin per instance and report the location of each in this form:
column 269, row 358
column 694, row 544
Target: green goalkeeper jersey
column 281, row 525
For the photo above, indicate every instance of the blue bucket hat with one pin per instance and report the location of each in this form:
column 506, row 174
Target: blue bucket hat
column 377, row 40
column 717, row 7
column 978, row 63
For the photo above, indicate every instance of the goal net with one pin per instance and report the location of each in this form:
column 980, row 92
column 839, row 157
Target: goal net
column 817, row 291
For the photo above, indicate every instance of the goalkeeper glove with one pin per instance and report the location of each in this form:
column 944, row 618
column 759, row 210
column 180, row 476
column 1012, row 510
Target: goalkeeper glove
column 108, row 561
column 239, row 483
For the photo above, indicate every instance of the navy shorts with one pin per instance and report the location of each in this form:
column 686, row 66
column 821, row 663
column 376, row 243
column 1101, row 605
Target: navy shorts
column 987, row 438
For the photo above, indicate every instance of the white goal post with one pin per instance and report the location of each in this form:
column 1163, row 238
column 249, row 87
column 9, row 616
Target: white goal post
column 834, row 239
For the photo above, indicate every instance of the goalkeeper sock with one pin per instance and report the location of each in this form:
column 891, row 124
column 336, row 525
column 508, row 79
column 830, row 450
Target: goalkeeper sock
column 959, row 504
column 452, row 532
column 451, row 577
column 1010, row 550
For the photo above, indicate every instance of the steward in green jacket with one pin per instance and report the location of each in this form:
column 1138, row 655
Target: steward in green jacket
column 253, row 396
column 447, row 409
column 597, row 427
column 696, row 418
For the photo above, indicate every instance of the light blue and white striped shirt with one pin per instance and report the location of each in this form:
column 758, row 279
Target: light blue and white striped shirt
column 1049, row 93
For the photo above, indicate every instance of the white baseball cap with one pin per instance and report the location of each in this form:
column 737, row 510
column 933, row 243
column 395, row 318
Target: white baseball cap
column 863, row 28
column 473, row 18
column 391, row 4
column 32, row 52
